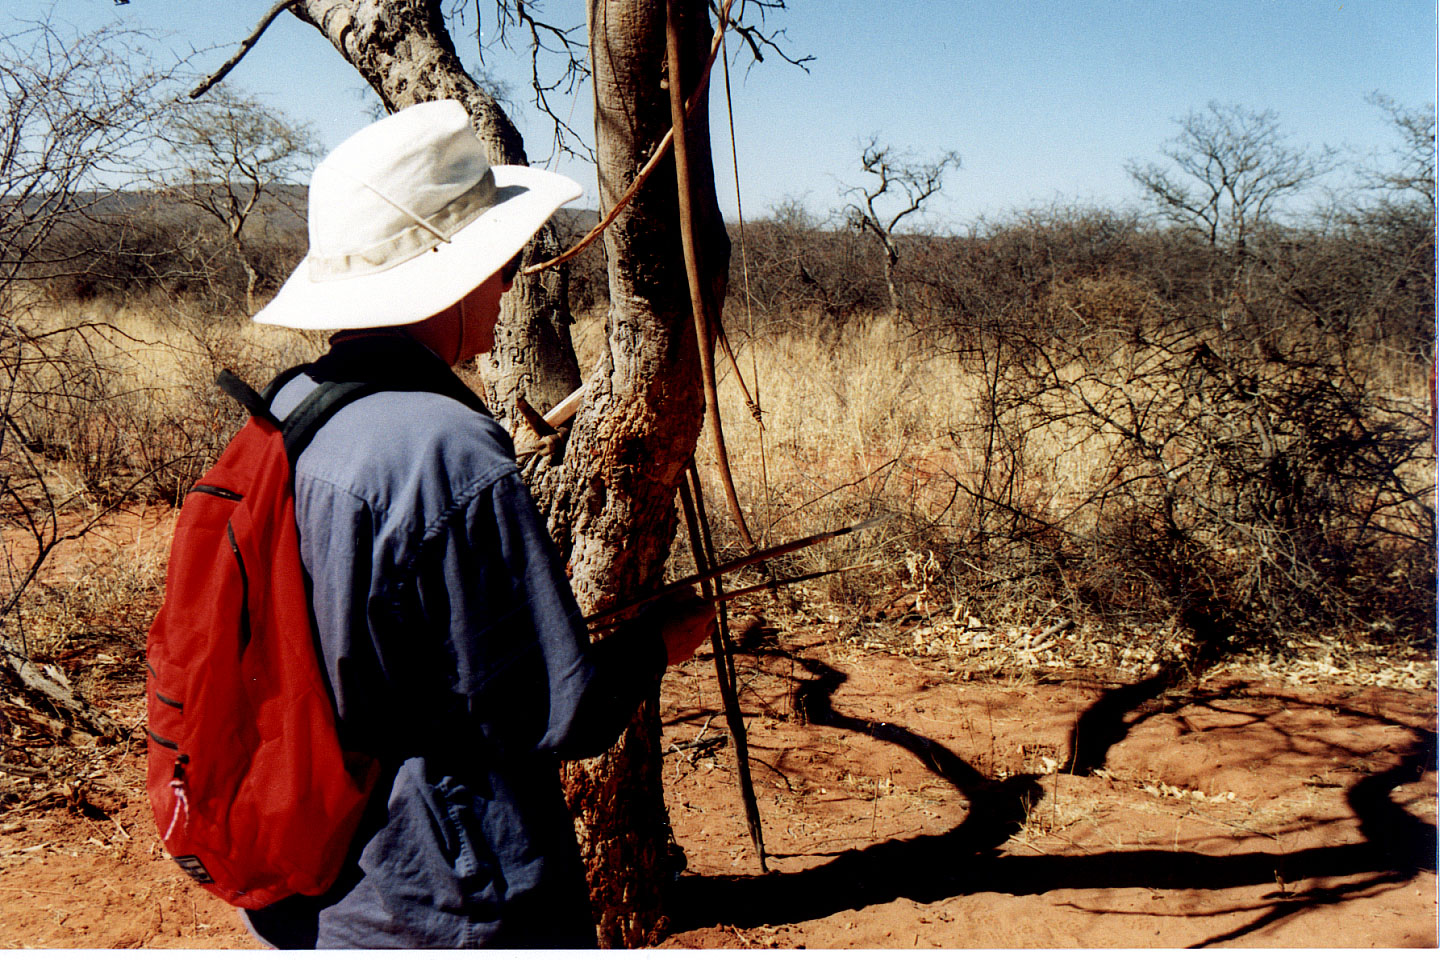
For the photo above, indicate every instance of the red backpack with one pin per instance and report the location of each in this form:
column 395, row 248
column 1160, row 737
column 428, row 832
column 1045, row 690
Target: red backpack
column 252, row 792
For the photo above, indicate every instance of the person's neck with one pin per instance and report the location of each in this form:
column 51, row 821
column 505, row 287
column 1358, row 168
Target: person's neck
column 440, row 333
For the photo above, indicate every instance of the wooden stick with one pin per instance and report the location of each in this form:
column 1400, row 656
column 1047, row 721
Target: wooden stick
column 724, row 675
column 721, row 611
column 729, row 566
column 537, row 423
column 565, row 409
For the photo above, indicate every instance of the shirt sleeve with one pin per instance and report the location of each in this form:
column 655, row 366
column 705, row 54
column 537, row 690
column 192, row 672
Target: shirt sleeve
column 518, row 658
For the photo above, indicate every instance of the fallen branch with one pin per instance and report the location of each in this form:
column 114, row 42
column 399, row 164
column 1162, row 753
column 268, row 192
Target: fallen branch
column 1037, row 643
column 719, row 740
column 50, row 685
column 29, row 773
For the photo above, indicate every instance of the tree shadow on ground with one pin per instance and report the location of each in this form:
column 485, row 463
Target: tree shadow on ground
column 962, row 861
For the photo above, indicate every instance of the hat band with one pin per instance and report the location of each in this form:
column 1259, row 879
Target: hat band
column 415, row 239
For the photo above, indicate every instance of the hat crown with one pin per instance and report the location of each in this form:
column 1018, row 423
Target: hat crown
column 406, row 217
column 396, row 189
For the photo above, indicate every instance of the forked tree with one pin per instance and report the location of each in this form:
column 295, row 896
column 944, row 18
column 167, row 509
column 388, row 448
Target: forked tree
column 901, row 186
column 230, row 155
column 609, row 500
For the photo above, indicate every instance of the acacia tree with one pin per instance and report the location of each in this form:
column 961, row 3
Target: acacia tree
column 609, row 502
column 896, row 177
column 1232, row 167
column 229, row 153
column 1410, row 175
column 611, row 507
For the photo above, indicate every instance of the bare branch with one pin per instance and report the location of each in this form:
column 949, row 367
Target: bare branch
column 245, row 46
column 755, row 37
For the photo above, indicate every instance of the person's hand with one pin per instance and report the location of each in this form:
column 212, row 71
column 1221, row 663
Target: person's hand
column 686, row 621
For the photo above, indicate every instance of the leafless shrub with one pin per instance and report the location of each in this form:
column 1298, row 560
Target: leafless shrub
column 804, row 273
column 1131, row 432
column 1239, row 490
column 1160, row 436
column 78, row 111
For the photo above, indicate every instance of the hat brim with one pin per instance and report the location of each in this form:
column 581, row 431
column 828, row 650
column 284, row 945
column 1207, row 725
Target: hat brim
column 426, row 284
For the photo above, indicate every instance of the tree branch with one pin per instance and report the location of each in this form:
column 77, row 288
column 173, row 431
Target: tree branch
column 245, row 46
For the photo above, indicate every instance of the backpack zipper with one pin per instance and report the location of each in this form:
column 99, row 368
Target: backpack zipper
column 220, row 492
column 244, row 588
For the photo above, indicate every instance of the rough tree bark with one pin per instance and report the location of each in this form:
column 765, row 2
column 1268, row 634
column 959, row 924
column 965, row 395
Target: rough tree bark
column 613, row 510
column 405, row 53
column 610, row 502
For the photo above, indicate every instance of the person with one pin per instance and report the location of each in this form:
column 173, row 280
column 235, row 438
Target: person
column 453, row 645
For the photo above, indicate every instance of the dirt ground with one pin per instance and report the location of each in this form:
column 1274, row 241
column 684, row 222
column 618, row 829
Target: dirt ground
column 904, row 805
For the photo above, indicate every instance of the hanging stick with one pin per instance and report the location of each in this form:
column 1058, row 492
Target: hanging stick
column 724, row 673
column 699, row 303
column 730, row 566
column 749, row 299
column 699, row 307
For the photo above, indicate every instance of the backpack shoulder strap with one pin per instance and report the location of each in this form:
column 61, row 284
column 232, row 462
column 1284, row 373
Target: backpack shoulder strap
column 318, row 407
column 283, row 377
column 257, row 404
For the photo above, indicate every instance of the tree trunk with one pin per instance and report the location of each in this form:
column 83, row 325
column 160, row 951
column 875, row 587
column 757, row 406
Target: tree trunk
column 404, row 52
column 891, row 258
column 613, row 507
column 252, row 275
column 610, row 504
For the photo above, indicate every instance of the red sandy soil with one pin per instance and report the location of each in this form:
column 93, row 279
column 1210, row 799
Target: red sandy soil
column 906, row 807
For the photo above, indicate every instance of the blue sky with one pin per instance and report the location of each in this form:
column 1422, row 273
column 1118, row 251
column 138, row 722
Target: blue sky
column 1044, row 100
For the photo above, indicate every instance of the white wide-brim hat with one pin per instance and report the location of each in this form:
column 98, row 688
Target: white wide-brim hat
column 407, row 216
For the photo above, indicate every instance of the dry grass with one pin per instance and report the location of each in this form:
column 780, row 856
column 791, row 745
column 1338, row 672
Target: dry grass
column 168, row 351
column 128, row 395
column 870, row 424
column 867, row 425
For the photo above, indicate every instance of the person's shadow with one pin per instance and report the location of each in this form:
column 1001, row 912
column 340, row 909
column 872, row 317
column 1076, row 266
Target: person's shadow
column 963, row 860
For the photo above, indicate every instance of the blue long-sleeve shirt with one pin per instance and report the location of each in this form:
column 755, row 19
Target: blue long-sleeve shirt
column 456, row 654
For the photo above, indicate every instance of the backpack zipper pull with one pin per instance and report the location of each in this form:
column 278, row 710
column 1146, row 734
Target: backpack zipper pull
column 182, row 799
